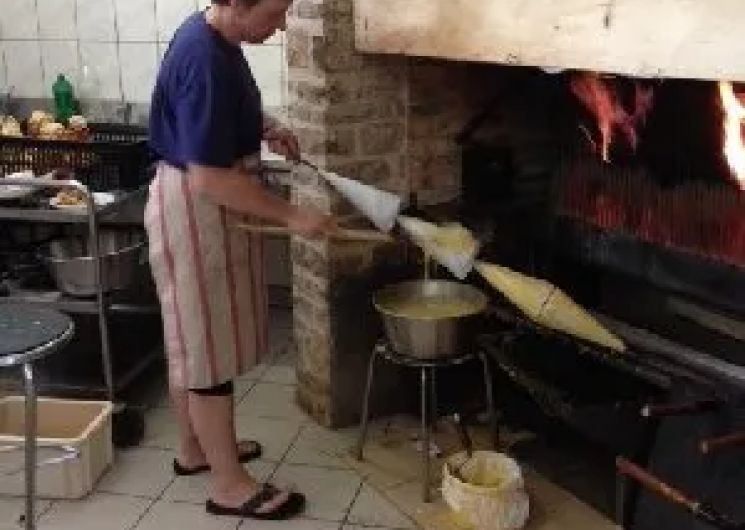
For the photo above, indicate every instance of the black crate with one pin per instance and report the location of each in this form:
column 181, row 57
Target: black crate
column 116, row 157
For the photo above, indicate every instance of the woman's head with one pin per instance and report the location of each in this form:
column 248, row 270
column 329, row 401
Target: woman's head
column 252, row 21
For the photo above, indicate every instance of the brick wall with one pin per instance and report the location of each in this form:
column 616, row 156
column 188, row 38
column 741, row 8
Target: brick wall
column 385, row 120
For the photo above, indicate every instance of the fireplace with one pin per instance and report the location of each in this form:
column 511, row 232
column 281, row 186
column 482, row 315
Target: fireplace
column 624, row 188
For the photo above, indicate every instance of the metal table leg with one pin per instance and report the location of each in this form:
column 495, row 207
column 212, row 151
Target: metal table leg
column 30, row 446
column 103, row 319
column 433, row 403
column 366, row 405
column 489, row 388
column 425, row 388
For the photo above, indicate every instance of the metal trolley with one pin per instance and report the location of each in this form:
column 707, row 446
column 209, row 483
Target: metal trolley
column 101, row 305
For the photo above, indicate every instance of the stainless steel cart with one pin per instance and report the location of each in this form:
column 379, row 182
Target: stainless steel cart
column 103, row 304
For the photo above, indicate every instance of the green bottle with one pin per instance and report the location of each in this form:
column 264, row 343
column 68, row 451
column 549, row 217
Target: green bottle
column 64, row 99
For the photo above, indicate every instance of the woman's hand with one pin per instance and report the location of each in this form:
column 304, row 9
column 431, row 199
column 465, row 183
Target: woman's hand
column 282, row 141
column 312, row 223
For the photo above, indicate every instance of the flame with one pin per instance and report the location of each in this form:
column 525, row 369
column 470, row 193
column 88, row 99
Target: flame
column 601, row 99
column 734, row 115
column 592, row 92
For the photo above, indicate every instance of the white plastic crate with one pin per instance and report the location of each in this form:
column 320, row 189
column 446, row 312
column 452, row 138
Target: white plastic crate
column 84, row 426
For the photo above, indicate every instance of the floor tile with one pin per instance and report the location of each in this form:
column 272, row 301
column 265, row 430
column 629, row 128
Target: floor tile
column 161, row 429
column 194, row 489
column 293, row 524
column 140, row 472
column 358, row 527
column 432, row 515
column 330, row 492
column 320, row 447
column 100, row 511
column 174, row 515
column 270, row 400
column 286, row 358
column 11, row 509
column 275, row 435
column 373, row 509
column 281, row 374
column 256, row 372
column 242, row 386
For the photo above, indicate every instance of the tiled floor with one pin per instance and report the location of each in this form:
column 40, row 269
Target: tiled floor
column 140, row 492
column 382, row 493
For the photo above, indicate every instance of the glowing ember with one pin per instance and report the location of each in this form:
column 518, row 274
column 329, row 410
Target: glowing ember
column 605, row 105
column 734, row 115
column 696, row 217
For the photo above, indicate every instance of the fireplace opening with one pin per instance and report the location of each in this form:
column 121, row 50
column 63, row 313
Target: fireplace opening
column 629, row 195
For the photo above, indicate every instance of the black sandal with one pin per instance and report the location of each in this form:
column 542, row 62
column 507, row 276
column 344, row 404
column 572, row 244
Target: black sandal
column 293, row 506
column 244, row 457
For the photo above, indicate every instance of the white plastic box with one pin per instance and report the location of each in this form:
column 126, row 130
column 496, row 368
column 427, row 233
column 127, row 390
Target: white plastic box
column 81, row 425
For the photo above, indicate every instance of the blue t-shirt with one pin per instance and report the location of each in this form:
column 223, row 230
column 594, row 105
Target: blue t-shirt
column 206, row 107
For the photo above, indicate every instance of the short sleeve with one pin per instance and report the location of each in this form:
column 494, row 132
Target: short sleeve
column 205, row 115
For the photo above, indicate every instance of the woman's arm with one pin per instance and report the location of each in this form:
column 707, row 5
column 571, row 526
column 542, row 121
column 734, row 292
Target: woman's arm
column 241, row 192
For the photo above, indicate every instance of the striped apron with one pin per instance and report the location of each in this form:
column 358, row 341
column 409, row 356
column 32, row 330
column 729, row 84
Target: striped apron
column 210, row 282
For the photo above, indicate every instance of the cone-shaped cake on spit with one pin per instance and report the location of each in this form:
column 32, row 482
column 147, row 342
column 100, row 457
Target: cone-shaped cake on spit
column 451, row 245
column 549, row 306
column 379, row 206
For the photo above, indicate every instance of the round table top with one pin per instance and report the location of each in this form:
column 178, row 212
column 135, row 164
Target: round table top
column 25, row 328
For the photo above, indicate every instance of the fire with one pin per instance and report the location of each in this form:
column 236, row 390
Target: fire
column 734, row 115
column 601, row 99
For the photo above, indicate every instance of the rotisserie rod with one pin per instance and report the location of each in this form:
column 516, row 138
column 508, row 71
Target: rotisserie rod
column 698, row 509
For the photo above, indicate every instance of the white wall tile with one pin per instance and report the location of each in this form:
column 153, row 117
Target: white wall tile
column 60, row 57
column 56, row 19
column 3, row 73
column 122, row 41
column 266, row 65
column 19, row 20
column 103, row 60
column 96, row 20
column 170, row 15
column 162, row 49
column 23, row 59
column 139, row 68
column 136, row 20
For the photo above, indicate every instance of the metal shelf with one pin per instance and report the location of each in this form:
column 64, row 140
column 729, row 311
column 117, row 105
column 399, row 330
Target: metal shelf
column 103, row 304
column 109, row 213
column 69, row 304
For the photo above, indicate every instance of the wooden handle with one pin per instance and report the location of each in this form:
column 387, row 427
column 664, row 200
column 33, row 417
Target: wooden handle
column 711, row 445
column 679, row 409
column 347, row 234
column 654, row 484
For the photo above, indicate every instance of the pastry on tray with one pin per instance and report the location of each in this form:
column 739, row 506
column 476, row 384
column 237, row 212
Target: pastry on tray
column 9, row 126
column 70, row 197
column 53, row 131
column 37, row 121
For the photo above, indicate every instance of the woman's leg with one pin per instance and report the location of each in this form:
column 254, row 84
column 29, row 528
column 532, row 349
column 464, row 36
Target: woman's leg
column 212, row 417
column 190, row 452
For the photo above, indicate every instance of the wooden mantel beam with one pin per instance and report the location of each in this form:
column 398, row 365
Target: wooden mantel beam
column 701, row 39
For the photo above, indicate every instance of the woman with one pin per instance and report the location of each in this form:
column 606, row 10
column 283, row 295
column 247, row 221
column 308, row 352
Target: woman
column 207, row 126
